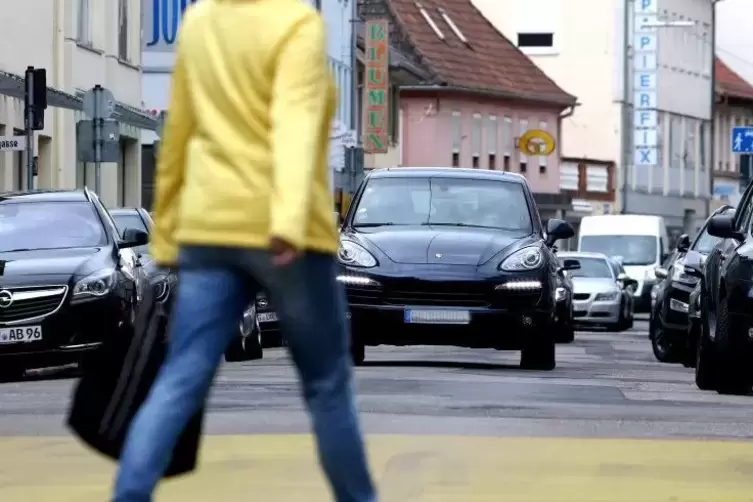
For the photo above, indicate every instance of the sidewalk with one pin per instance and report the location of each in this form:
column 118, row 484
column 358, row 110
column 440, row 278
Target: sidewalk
column 416, row 468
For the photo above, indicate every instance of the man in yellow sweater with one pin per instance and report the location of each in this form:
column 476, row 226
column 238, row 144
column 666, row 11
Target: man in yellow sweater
column 243, row 204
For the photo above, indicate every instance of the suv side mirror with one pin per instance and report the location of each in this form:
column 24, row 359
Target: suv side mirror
column 694, row 265
column 558, row 229
column 133, row 237
column 683, row 243
column 661, row 273
column 724, row 227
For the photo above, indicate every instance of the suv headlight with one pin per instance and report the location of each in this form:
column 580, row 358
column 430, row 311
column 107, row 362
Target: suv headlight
column 529, row 258
column 355, row 255
column 607, row 297
column 95, row 285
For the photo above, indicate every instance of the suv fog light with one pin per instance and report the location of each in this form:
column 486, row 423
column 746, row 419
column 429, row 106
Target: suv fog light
column 678, row 306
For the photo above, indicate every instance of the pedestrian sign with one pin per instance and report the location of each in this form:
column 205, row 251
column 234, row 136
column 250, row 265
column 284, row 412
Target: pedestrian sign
column 742, row 140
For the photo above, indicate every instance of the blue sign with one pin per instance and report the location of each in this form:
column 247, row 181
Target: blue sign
column 161, row 21
column 742, row 140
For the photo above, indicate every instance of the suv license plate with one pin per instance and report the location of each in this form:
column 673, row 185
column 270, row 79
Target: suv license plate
column 23, row 334
column 437, row 316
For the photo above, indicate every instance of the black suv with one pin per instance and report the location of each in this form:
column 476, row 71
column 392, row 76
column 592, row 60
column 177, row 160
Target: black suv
column 68, row 278
column 668, row 327
column 725, row 349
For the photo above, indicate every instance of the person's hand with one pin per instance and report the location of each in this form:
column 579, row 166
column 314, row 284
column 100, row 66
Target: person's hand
column 283, row 254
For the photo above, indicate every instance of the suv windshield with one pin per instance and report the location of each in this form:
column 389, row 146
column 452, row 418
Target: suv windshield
column 592, row 268
column 49, row 225
column 444, row 201
column 634, row 249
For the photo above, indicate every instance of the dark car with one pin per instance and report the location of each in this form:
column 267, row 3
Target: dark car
column 668, row 325
column 563, row 297
column 68, row 278
column 724, row 359
column 450, row 256
column 248, row 344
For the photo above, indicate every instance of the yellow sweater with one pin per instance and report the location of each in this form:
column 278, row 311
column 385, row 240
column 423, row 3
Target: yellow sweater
column 245, row 145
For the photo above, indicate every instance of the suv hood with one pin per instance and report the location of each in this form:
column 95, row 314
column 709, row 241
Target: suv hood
column 439, row 245
column 28, row 267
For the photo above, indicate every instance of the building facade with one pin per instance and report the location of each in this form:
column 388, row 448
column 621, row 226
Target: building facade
column 81, row 43
column 734, row 43
column 581, row 45
column 157, row 56
column 483, row 104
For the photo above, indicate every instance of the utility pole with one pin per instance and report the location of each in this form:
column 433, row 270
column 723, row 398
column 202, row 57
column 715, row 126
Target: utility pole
column 626, row 129
column 712, row 113
column 35, row 103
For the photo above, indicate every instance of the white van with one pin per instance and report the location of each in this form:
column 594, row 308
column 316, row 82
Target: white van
column 639, row 241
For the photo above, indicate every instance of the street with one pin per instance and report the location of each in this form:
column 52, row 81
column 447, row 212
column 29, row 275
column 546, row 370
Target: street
column 444, row 424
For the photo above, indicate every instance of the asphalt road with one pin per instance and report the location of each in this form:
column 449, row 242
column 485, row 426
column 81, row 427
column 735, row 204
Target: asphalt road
column 444, row 424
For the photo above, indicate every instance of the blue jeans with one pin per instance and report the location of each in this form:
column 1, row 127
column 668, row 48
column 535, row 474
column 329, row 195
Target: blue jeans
column 216, row 285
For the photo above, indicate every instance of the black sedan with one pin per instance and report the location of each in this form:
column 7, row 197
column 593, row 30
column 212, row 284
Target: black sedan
column 725, row 348
column 67, row 279
column 668, row 326
column 247, row 346
column 449, row 256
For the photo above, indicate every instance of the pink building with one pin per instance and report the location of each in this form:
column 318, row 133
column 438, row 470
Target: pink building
column 483, row 94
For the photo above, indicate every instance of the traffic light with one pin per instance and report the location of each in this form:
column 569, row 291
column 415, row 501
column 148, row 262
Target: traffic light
column 35, row 97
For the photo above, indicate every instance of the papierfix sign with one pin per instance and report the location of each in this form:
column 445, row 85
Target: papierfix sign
column 376, row 87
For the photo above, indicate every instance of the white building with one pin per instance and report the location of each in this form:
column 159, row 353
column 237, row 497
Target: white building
column 80, row 43
column 734, row 42
column 580, row 44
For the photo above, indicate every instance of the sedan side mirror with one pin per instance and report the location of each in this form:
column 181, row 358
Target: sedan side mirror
column 133, row 237
column 683, row 243
column 724, row 227
column 556, row 230
column 627, row 281
column 661, row 273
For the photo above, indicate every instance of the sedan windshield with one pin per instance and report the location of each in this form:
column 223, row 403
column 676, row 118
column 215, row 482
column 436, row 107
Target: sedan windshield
column 49, row 225
column 592, row 268
column 444, row 201
column 634, row 249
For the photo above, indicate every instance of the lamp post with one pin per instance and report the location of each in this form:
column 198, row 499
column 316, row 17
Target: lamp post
column 712, row 111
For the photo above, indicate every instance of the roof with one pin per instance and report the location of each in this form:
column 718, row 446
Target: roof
column 446, row 172
column 44, row 196
column 730, row 83
column 467, row 53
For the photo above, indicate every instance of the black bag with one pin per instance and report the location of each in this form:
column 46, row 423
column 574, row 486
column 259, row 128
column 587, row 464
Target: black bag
column 117, row 379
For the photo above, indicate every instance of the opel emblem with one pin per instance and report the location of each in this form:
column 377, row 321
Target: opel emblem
column 438, row 255
column 6, row 299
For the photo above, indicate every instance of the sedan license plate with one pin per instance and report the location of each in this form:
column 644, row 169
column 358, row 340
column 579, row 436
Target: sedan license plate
column 267, row 317
column 25, row 334
column 437, row 316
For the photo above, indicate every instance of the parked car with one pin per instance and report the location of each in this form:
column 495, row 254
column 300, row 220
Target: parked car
column 563, row 297
column 68, row 278
column 450, row 256
column 248, row 345
column 725, row 352
column 602, row 293
column 668, row 324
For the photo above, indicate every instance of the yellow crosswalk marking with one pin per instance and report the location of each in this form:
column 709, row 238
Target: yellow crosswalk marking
column 282, row 468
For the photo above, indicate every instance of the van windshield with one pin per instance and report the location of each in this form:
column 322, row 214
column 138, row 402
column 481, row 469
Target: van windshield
column 634, row 249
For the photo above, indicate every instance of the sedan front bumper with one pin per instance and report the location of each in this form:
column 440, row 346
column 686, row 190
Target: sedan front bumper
column 596, row 312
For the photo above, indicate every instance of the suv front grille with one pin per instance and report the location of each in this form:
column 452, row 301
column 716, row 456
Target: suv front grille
column 30, row 303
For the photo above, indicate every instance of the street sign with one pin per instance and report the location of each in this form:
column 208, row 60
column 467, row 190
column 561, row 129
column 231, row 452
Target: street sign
column 86, row 141
column 99, row 103
column 742, row 140
column 12, row 143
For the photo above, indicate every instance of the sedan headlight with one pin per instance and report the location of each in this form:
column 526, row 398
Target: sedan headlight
column 607, row 297
column 95, row 285
column 529, row 258
column 355, row 255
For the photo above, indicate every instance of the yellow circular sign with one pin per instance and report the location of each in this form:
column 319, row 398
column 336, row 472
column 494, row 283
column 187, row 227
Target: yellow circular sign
column 536, row 142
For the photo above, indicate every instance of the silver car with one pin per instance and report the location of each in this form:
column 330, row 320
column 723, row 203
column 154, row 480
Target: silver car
column 602, row 292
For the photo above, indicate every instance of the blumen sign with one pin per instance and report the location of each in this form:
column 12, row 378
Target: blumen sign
column 376, row 87
column 161, row 19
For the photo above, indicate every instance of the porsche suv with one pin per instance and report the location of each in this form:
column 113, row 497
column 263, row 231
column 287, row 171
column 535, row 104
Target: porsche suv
column 450, row 256
column 68, row 278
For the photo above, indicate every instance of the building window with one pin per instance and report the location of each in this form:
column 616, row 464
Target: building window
column 523, row 165
column 506, row 163
column 476, row 127
column 535, row 39
column 476, row 162
column 457, row 137
column 123, row 51
column 507, row 141
column 455, row 159
column 569, row 176
column 597, row 179
column 543, row 159
column 84, row 35
column 522, row 129
column 492, row 162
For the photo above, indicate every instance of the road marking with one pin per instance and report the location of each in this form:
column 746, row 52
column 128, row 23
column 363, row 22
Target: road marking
column 486, row 469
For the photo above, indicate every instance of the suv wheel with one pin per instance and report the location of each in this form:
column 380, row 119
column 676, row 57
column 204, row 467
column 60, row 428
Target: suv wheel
column 539, row 354
column 661, row 342
column 705, row 363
